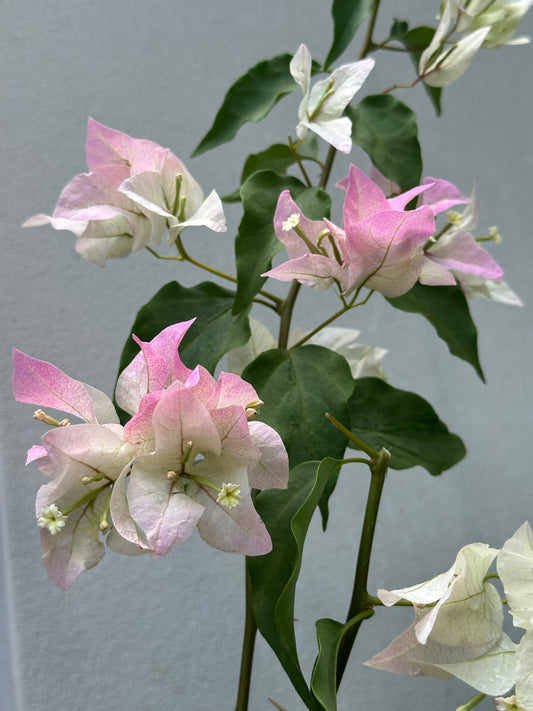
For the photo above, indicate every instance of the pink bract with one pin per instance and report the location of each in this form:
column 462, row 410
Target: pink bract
column 135, row 191
column 149, row 484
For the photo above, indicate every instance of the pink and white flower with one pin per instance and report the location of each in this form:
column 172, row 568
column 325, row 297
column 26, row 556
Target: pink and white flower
column 134, row 192
column 313, row 246
column 187, row 458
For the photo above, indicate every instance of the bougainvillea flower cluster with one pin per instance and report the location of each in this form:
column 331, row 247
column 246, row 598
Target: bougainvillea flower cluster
column 135, row 191
column 382, row 246
column 186, row 459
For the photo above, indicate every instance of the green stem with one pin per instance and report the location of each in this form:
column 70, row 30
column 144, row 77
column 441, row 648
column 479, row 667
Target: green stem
column 368, row 44
column 292, row 148
column 354, row 438
column 286, row 314
column 86, row 498
column 250, row 631
column 360, row 597
column 357, row 460
column 474, row 701
column 375, row 601
column 402, row 86
column 185, row 257
column 328, row 164
column 321, row 326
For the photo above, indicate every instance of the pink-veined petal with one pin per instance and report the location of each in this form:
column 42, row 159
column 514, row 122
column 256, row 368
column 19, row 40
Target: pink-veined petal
column 231, row 390
column 363, row 198
column 132, row 384
column 160, row 508
column 35, row 452
column 460, row 252
column 441, row 195
column 272, row 470
column 122, row 519
column 238, row 529
column 235, row 438
column 40, row 383
column 311, row 270
column 106, row 146
column 178, row 419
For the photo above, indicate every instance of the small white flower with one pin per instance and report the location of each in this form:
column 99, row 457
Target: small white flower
column 229, row 496
column 291, row 223
column 52, row 519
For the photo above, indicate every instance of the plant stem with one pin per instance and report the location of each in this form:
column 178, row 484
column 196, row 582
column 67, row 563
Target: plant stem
column 401, row 86
column 327, row 167
column 292, row 148
column 286, row 314
column 368, row 44
column 372, row 600
column 354, row 438
column 360, row 597
column 474, row 701
column 250, row 631
column 185, row 257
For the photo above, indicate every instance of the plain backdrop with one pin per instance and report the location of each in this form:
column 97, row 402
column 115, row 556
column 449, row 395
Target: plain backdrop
column 158, row 635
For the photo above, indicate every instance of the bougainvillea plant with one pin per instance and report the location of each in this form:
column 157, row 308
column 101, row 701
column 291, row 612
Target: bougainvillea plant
column 229, row 430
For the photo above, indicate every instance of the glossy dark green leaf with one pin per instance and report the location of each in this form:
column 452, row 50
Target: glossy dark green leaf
column 387, row 131
column 256, row 243
column 278, row 158
column 298, row 387
column 404, row 423
column 347, row 16
column 213, row 334
column 250, row 98
column 324, row 679
column 446, row 308
column 416, row 41
column 287, row 515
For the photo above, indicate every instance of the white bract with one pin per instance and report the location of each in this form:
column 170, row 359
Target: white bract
column 457, row 629
column 441, row 64
column 323, row 104
column 502, row 17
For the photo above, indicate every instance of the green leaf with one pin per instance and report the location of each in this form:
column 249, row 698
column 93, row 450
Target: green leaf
column 287, row 514
column 416, row 41
column 278, row 158
column 347, row 17
column 387, row 131
column 446, row 308
column 298, row 387
column 249, row 99
column 324, row 680
column 213, row 334
column 256, row 243
column 323, row 504
column 404, row 423
column 399, row 28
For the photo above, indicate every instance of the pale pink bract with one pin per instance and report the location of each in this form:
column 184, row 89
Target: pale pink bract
column 187, row 458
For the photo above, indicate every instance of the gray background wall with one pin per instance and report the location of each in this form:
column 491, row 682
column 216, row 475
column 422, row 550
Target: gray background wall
column 147, row 634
